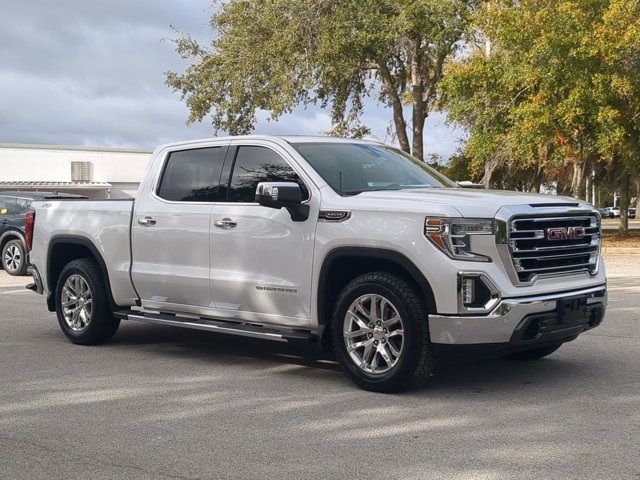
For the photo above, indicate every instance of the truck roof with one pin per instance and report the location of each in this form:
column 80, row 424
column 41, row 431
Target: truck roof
column 285, row 138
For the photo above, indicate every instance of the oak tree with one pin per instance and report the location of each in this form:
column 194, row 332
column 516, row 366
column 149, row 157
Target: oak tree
column 274, row 55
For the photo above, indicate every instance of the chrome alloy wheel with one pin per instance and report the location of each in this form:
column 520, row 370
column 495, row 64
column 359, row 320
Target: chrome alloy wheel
column 373, row 334
column 77, row 303
column 13, row 258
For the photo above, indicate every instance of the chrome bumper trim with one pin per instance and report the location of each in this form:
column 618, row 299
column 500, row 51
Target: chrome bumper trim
column 499, row 325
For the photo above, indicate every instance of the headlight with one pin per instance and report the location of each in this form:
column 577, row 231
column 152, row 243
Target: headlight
column 453, row 236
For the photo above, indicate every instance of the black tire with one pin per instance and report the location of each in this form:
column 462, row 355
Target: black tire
column 415, row 361
column 14, row 250
column 102, row 325
column 535, row 354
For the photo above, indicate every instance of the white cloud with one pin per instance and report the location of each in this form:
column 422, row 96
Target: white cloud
column 92, row 73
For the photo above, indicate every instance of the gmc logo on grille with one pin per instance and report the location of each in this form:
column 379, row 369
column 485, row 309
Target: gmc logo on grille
column 565, row 233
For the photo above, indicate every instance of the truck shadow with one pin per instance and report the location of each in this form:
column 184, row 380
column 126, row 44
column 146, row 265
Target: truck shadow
column 479, row 374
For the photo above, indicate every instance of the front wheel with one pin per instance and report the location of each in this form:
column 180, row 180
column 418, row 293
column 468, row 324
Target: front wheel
column 82, row 304
column 380, row 333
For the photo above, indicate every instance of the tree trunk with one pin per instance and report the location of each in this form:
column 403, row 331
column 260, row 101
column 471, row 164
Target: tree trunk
column 577, row 184
column 637, row 197
column 489, row 167
column 625, row 187
column 391, row 89
column 401, row 127
column 418, row 133
column 417, row 85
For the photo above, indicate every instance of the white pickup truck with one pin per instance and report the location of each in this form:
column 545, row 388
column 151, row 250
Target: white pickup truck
column 351, row 243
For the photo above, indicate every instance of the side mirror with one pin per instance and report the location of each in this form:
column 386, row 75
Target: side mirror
column 469, row 184
column 283, row 195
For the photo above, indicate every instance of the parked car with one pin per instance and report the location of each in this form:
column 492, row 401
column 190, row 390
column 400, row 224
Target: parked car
column 610, row 212
column 605, row 213
column 631, row 213
column 13, row 209
column 353, row 244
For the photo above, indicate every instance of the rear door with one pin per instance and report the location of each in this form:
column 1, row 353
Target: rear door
column 170, row 231
column 261, row 260
column 7, row 205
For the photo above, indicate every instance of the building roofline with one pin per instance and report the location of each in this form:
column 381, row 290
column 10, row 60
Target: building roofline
column 35, row 146
column 31, row 184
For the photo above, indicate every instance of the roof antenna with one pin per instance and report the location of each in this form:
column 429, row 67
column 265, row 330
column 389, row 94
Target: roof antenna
column 340, row 175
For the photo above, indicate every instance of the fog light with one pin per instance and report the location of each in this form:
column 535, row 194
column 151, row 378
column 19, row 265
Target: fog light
column 476, row 293
column 467, row 290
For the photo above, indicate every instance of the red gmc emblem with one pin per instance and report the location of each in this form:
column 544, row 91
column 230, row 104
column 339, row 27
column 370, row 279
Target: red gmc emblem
column 565, row 233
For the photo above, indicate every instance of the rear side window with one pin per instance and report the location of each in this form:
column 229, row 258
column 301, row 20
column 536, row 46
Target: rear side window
column 22, row 205
column 7, row 205
column 192, row 175
column 259, row 164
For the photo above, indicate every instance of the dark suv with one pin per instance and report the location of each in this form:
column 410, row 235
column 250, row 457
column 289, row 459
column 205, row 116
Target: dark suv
column 13, row 208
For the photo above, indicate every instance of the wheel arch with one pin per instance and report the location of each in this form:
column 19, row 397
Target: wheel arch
column 12, row 234
column 342, row 264
column 62, row 250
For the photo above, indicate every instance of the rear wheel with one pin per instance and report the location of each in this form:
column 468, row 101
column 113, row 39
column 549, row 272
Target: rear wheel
column 14, row 258
column 380, row 333
column 82, row 304
column 535, row 354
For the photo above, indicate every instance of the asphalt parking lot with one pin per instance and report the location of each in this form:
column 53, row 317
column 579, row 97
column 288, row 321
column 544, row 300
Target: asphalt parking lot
column 168, row 403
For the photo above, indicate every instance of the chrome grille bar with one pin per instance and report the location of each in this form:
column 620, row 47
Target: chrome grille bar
column 534, row 251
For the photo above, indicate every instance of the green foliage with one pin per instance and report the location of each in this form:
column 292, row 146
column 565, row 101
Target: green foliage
column 556, row 95
column 457, row 168
column 273, row 55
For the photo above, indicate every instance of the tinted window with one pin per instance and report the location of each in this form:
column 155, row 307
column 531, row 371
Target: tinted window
column 351, row 168
column 259, row 164
column 7, row 205
column 192, row 175
column 22, row 205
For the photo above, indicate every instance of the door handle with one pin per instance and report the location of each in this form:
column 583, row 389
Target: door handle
column 146, row 221
column 225, row 223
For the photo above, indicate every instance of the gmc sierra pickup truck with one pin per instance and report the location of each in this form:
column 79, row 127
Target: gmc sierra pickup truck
column 351, row 243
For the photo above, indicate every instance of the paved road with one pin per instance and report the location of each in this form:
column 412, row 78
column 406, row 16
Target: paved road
column 166, row 403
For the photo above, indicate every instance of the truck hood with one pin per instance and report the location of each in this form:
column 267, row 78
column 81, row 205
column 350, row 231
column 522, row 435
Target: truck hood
column 469, row 203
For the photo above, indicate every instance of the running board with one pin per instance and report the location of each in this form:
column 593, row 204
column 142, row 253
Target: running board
column 241, row 329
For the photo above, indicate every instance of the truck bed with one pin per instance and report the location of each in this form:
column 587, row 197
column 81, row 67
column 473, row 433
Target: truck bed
column 103, row 224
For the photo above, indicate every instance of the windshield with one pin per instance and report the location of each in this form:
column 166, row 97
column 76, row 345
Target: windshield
column 352, row 168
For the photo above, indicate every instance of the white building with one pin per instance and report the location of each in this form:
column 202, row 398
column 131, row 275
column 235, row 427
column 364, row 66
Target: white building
column 93, row 172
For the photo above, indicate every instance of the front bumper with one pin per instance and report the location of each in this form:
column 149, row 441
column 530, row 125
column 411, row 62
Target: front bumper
column 519, row 323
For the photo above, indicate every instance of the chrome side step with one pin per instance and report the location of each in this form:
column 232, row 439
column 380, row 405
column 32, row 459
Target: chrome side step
column 241, row 329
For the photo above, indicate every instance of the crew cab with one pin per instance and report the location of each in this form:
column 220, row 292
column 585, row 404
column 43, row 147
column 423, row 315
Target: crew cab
column 350, row 243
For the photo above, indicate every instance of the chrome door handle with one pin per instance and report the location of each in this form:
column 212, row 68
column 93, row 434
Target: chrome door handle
column 146, row 221
column 225, row 223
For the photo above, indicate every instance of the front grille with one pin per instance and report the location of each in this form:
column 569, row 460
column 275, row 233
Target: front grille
column 553, row 244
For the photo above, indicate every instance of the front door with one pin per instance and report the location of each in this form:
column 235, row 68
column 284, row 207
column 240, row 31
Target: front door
column 261, row 260
column 170, row 231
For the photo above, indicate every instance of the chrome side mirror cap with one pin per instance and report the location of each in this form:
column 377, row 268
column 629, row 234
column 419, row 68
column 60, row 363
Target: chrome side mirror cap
column 283, row 195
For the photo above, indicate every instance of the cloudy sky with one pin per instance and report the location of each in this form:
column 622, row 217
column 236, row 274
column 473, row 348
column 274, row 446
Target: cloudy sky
column 91, row 72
